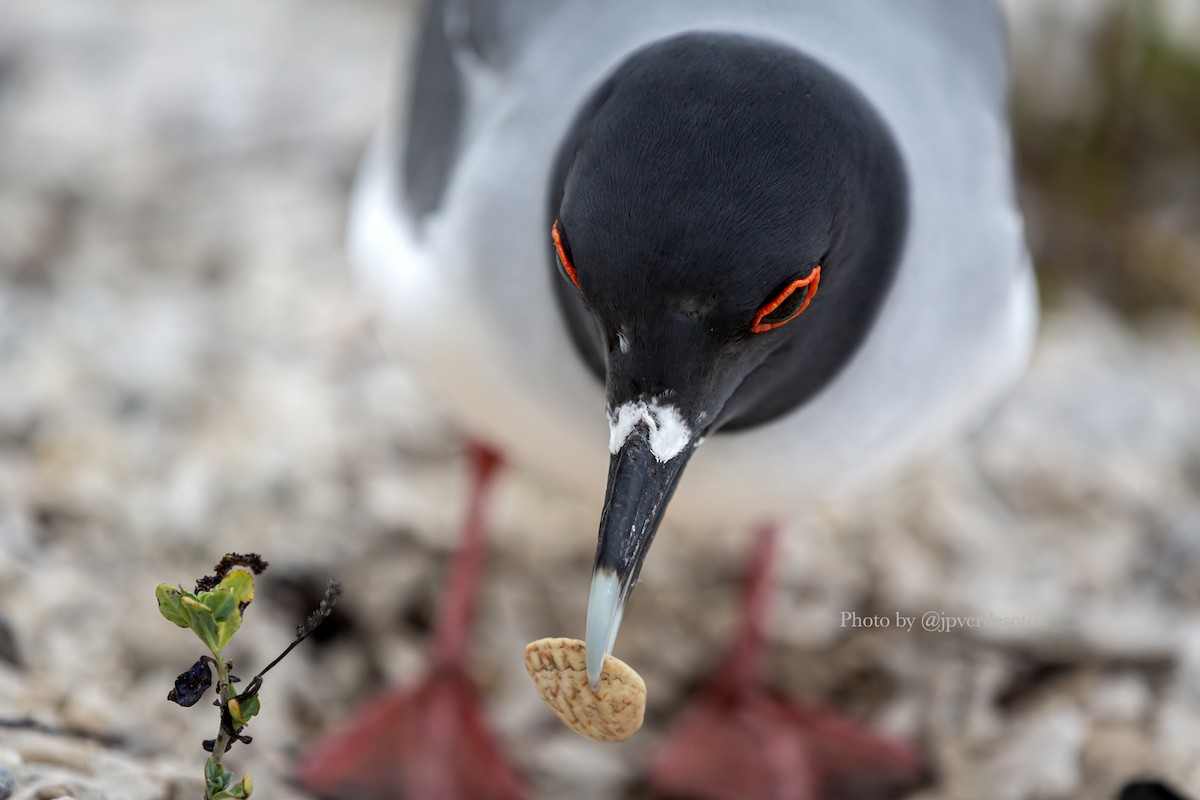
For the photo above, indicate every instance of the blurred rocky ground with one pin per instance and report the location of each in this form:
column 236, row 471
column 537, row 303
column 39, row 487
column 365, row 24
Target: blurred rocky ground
column 185, row 369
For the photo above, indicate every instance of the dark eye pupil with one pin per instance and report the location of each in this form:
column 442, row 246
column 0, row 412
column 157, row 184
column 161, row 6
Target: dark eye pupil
column 788, row 307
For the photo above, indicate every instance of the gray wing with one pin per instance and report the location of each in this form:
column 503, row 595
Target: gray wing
column 976, row 33
column 456, row 37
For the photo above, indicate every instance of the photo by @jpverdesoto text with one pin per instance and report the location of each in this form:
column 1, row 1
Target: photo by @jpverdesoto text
column 933, row 621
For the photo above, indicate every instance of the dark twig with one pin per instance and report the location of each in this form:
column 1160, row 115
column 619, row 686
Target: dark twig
column 332, row 594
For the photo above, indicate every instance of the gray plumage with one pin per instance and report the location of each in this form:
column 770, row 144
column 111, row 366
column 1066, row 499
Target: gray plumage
column 448, row 235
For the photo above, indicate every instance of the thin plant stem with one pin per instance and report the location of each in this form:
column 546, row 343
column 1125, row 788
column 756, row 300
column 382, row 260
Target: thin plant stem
column 224, row 693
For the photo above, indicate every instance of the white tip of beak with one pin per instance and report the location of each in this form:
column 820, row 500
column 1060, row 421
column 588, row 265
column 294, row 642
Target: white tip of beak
column 605, row 608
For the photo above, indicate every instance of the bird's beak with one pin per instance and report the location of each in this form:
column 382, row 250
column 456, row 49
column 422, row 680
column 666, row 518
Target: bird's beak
column 642, row 475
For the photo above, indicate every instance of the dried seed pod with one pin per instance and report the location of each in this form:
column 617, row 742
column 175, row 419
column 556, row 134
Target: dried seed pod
column 611, row 713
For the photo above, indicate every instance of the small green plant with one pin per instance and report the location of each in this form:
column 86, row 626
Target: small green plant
column 213, row 611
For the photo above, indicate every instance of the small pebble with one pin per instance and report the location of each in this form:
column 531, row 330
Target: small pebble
column 61, row 787
column 10, row 758
column 8, row 782
column 55, row 792
column 72, row 754
column 117, row 777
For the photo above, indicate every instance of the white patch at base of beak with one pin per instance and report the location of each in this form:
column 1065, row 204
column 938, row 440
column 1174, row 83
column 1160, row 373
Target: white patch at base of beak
column 669, row 434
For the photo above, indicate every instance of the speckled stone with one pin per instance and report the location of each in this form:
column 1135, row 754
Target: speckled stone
column 8, row 782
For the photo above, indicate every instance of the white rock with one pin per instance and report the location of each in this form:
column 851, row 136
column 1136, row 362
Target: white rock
column 118, row 777
column 1042, row 756
column 1122, row 698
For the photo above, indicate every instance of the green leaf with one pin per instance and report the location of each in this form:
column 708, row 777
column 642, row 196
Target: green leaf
column 251, row 706
column 240, row 584
column 238, row 791
column 200, row 619
column 223, row 605
column 245, row 788
column 170, row 604
column 216, row 780
column 212, row 772
column 228, row 627
column 241, row 712
column 226, row 602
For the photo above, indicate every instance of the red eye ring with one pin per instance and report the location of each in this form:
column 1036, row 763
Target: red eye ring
column 813, row 278
column 562, row 256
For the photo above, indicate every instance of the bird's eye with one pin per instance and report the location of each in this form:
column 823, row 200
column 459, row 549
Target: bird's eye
column 788, row 303
column 564, row 258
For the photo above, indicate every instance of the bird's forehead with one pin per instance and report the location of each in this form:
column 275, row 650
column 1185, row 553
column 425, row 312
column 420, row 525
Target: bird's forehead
column 661, row 294
column 683, row 259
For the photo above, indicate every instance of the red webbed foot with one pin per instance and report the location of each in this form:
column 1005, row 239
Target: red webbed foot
column 429, row 741
column 739, row 740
